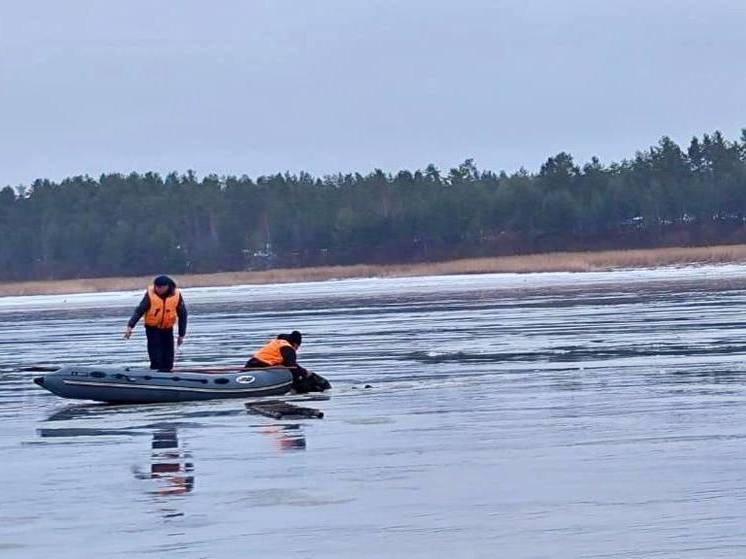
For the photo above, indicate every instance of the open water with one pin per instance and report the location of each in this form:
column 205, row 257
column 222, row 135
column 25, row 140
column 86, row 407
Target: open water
column 598, row 415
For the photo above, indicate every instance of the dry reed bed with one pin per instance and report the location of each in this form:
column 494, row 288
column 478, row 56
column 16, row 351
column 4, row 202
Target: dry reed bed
column 549, row 262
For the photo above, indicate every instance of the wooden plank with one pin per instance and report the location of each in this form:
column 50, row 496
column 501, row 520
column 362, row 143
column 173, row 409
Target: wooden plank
column 280, row 410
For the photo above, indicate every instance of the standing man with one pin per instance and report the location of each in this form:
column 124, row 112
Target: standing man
column 162, row 306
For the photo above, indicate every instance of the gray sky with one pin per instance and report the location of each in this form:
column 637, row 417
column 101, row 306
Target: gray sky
column 258, row 87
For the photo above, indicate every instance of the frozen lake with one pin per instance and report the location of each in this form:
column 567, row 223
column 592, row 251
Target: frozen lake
column 597, row 415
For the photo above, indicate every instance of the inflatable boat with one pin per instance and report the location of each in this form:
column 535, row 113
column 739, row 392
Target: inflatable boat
column 130, row 385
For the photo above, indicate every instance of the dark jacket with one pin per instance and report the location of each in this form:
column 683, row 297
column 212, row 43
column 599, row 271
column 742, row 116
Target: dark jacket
column 289, row 355
column 144, row 305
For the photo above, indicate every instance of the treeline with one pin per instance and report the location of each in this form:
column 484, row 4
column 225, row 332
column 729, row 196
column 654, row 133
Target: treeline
column 146, row 224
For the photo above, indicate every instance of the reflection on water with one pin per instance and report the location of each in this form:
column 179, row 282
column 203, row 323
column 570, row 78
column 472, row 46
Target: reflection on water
column 76, row 411
column 170, row 465
column 287, row 437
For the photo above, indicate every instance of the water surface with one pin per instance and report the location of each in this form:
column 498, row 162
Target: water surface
column 523, row 416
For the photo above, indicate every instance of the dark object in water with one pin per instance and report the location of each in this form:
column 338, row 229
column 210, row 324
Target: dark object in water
column 310, row 383
column 279, row 410
column 40, row 369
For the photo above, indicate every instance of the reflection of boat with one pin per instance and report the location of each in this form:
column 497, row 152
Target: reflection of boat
column 140, row 385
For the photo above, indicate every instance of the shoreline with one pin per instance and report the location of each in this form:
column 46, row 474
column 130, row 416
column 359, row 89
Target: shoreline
column 530, row 263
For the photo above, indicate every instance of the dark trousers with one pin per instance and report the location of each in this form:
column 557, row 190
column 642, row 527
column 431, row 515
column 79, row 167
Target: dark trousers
column 254, row 363
column 160, row 348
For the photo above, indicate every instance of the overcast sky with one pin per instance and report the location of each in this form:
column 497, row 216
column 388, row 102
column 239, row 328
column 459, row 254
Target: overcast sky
column 257, row 87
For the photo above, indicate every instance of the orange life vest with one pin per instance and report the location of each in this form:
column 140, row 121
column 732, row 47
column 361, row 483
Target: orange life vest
column 270, row 353
column 162, row 312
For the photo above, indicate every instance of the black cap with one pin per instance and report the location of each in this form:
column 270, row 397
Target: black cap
column 295, row 337
column 163, row 280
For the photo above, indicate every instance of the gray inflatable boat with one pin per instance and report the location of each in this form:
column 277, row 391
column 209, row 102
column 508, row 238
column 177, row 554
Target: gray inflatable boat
column 130, row 385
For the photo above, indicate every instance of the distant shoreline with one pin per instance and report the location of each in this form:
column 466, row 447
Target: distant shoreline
column 548, row 262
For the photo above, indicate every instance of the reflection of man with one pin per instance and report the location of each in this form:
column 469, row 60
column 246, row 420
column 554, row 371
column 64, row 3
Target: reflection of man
column 169, row 465
column 287, row 437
